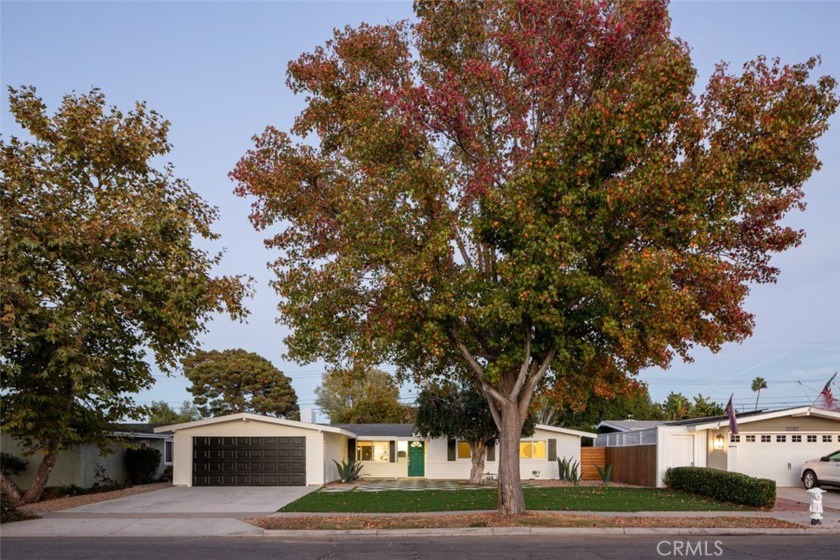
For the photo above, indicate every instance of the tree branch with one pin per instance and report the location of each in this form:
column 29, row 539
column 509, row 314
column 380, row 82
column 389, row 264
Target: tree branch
column 523, row 369
column 532, row 382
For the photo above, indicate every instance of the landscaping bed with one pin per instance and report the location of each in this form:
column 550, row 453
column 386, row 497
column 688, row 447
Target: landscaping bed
column 346, row 522
column 546, row 498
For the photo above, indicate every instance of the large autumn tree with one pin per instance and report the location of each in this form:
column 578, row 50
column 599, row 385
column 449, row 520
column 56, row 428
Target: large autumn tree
column 234, row 381
column 99, row 277
column 521, row 192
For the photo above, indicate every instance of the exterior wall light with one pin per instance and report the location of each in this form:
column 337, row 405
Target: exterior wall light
column 719, row 441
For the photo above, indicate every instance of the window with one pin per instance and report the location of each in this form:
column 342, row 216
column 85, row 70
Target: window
column 402, row 452
column 765, row 439
column 734, row 438
column 826, row 439
column 167, row 452
column 532, row 450
column 812, row 439
column 378, row 451
column 796, row 439
column 781, row 439
column 464, row 450
column 751, row 439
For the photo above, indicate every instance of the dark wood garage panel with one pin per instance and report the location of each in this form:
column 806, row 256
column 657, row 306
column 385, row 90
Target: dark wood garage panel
column 249, row 461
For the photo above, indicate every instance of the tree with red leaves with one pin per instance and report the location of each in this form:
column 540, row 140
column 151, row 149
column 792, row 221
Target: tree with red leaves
column 528, row 193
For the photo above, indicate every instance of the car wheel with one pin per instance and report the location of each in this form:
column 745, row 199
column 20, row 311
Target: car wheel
column 809, row 479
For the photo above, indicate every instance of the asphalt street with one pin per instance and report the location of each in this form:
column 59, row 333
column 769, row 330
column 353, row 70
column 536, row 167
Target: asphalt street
column 532, row 547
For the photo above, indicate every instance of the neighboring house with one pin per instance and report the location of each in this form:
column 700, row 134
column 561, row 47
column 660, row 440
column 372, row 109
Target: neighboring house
column 771, row 444
column 252, row 450
column 80, row 465
column 611, row 426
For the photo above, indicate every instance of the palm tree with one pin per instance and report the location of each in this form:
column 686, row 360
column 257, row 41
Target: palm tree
column 758, row 384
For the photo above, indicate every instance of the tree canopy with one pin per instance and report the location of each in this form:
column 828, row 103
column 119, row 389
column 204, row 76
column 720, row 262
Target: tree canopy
column 371, row 396
column 233, row 381
column 521, row 193
column 98, row 272
column 161, row 413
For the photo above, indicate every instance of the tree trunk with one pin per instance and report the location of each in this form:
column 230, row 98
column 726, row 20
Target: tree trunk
column 42, row 475
column 511, row 499
column 478, row 453
column 10, row 490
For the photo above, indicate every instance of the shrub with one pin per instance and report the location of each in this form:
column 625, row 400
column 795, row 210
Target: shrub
column 166, row 475
column 9, row 513
column 569, row 470
column 348, row 471
column 142, row 464
column 722, row 485
column 11, row 464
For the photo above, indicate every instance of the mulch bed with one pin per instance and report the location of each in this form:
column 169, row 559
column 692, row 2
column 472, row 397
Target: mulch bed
column 533, row 519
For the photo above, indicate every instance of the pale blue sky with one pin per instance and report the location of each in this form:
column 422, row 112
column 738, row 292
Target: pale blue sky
column 217, row 71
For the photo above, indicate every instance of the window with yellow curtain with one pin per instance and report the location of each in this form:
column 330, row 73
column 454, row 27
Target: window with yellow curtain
column 464, row 450
column 532, row 450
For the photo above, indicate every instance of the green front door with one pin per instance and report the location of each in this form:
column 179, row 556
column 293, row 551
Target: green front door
column 416, row 459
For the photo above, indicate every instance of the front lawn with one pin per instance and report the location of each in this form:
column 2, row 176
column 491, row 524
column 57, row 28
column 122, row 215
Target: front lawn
column 582, row 498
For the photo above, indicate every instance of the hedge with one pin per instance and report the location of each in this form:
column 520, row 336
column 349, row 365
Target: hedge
column 722, row 485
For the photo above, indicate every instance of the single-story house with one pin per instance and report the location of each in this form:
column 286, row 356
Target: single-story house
column 83, row 465
column 770, row 444
column 253, row 450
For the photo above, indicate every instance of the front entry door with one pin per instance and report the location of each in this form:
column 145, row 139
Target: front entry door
column 416, row 459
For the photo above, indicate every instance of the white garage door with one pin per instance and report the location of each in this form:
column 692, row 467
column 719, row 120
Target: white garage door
column 777, row 456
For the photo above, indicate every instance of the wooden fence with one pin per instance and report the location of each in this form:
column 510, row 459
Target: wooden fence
column 590, row 457
column 634, row 464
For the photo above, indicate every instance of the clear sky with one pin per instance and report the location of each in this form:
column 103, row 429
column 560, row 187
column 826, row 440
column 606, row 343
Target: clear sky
column 217, row 71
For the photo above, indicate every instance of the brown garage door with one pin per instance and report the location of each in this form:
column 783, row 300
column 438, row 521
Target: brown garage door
column 249, row 461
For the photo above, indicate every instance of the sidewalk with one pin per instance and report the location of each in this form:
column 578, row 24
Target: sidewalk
column 66, row 524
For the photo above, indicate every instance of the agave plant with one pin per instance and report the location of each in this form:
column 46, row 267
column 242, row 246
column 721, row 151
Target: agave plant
column 605, row 473
column 348, row 471
column 569, row 470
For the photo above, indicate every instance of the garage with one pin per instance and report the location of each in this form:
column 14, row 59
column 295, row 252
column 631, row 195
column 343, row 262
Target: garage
column 245, row 449
column 778, row 456
column 249, row 461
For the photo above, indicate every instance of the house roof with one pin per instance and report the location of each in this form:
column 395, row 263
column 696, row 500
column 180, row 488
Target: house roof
column 248, row 417
column 566, row 431
column 745, row 418
column 137, row 430
column 377, row 430
column 629, row 425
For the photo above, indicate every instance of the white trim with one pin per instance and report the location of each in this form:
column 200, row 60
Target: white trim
column 794, row 412
column 566, row 431
column 249, row 417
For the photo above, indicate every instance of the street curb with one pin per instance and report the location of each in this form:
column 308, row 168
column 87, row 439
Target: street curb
column 545, row 531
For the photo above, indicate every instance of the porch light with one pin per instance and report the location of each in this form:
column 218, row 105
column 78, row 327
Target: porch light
column 719, row 441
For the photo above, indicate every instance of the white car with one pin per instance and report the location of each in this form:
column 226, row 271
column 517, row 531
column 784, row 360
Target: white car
column 822, row 471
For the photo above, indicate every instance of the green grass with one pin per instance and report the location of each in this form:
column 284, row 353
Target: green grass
column 583, row 498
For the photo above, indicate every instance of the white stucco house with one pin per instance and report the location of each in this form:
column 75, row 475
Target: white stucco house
column 253, row 450
column 770, row 444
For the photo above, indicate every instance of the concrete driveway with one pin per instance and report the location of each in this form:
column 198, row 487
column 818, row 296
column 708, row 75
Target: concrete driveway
column 219, row 501
column 831, row 498
column 170, row 512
